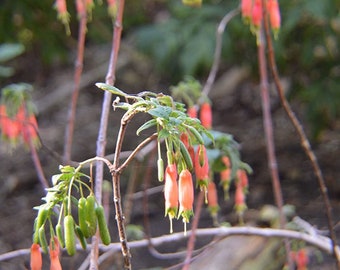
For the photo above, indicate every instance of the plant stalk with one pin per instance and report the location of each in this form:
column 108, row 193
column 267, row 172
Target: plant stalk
column 74, row 99
column 303, row 140
column 102, row 134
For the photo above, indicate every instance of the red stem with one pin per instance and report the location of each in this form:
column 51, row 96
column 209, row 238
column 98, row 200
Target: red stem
column 77, row 76
column 194, row 226
column 303, row 140
column 268, row 128
column 102, row 134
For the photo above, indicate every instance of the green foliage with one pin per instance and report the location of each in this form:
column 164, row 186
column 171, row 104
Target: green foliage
column 184, row 43
column 307, row 48
column 7, row 52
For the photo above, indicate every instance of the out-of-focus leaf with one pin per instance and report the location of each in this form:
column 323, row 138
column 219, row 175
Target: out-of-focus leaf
column 8, row 51
column 6, row 71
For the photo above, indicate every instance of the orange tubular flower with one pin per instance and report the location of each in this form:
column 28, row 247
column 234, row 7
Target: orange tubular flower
column 301, row 259
column 274, row 14
column 242, row 179
column 192, row 112
column 257, row 13
column 212, row 199
column 185, row 139
column 246, row 9
column 202, row 167
column 186, row 195
column 240, row 200
column 171, row 192
column 36, row 258
column 63, row 15
column 10, row 127
column 225, row 176
column 54, row 255
column 206, row 115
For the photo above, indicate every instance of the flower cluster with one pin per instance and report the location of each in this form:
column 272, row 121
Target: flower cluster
column 83, row 7
column 252, row 13
column 18, row 126
column 179, row 178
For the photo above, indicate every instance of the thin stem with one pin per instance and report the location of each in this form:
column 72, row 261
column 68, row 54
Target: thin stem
column 268, row 128
column 136, row 150
column 37, row 164
column 102, row 134
column 116, row 192
column 303, row 140
column 77, row 76
column 218, row 50
column 194, row 226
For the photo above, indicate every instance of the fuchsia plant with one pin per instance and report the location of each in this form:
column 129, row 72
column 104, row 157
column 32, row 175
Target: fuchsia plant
column 73, row 211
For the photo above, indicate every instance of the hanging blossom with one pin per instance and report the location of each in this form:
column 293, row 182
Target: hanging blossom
column 171, row 192
column 252, row 13
column 22, row 126
column 186, row 196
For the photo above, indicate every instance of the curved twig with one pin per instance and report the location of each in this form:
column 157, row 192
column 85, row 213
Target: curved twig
column 218, row 50
column 321, row 242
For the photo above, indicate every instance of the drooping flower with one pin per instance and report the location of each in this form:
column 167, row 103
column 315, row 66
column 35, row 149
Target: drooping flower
column 257, row 14
column 186, row 195
column 225, row 176
column 246, row 9
column 213, row 201
column 63, row 14
column 242, row 179
column 274, row 15
column 36, row 258
column 9, row 126
column 192, row 112
column 171, row 192
column 201, row 167
column 185, row 139
column 301, row 259
column 206, row 115
column 240, row 200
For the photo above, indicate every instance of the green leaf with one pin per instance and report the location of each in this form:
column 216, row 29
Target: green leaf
column 66, row 169
column 147, row 125
column 56, row 178
column 110, row 88
column 9, row 51
column 161, row 111
column 163, row 134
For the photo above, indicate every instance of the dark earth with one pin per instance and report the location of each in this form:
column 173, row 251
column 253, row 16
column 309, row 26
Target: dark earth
column 236, row 110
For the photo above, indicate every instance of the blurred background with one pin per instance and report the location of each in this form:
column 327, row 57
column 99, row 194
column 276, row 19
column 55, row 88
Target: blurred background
column 164, row 41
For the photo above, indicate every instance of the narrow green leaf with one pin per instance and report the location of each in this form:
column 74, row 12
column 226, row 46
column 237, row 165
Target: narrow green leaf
column 9, row 51
column 110, row 88
column 147, row 125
